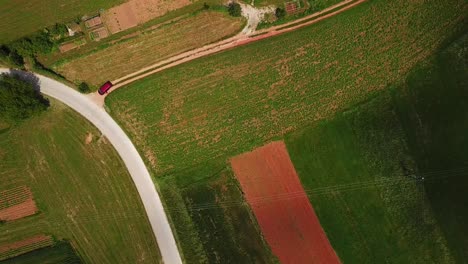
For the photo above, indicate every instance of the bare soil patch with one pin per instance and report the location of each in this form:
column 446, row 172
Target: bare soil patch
column 120, row 18
column 135, row 12
column 16, row 203
column 272, row 188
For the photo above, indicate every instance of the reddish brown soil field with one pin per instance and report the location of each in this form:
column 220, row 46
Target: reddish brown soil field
column 16, row 203
column 282, row 208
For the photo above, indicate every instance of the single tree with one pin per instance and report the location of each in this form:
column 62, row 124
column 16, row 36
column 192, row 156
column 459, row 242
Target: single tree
column 84, row 88
column 234, row 9
column 19, row 97
column 280, row 13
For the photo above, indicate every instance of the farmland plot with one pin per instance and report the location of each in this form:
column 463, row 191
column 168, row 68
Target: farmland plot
column 16, row 203
column 149, row 47
column 22, row 17
column 226, row 103
column 282, row 208
column 203, row 112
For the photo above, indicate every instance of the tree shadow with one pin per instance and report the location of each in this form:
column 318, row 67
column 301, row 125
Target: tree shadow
column 28, row 77
column 32, row 79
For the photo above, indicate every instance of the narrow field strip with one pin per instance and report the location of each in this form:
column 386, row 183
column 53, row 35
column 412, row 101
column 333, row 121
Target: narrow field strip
column 14, row 196
column 23, row 246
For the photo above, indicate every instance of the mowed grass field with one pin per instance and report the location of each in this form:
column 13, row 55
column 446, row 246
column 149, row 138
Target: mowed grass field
column 187, row 121
column 83, row 191
column 366, row 166
column 148, row 47
column 22, row 17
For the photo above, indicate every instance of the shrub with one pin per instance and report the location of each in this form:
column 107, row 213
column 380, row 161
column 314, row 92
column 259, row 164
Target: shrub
column 84, row 88
column 280, row 13
column 234, row 9
column 11, row 57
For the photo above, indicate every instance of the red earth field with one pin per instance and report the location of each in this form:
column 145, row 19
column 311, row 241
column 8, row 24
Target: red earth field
column 16, row 203
column 282, row 208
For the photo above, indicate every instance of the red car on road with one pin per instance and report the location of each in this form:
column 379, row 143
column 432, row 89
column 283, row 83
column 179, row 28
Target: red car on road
column 105, row 88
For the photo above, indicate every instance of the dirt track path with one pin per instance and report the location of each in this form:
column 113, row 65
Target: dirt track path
column 242, row 38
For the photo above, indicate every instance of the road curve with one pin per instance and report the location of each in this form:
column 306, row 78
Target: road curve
column 127, row 151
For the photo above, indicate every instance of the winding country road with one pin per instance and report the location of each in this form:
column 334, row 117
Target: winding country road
column 127, row 151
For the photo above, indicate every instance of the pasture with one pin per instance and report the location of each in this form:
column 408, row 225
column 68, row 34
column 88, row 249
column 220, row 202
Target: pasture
column 148, row 47
column 81, row 188
column 375, row 163
column 22, row 17
column 188, row 120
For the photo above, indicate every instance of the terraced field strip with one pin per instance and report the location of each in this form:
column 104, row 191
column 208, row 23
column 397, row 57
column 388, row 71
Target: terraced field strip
column 290, row 226
column 23, row 246
column 16, row 203
column 14, row 196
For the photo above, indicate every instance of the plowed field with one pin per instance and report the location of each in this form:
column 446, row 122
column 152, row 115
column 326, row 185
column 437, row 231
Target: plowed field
column 16, row 203
column 281, row 206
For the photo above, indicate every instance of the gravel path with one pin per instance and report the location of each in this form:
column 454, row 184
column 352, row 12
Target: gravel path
column 127, row 151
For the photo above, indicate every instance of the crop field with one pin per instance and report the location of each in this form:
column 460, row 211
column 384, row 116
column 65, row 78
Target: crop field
column 212, row 223
column 365, row 187
column 149, row 47
column 19, row 247
column 22, row 17
column 316, row 4
column 226, row 103
column 16, row 203
column 61, row 252
column 188, row 120
column 81, row 188
column 275, row 194
column 376, row 164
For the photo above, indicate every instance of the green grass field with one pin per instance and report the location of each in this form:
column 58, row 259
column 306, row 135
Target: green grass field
column 434, row 116
column 22, row 17
column 383, row 143
column 83, row 191
column 359, row 176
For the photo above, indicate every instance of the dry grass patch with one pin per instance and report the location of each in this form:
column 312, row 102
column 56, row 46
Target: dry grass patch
column 150, row 47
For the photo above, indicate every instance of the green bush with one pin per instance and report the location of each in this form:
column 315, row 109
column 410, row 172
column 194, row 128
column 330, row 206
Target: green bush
column 280, row 13
column 84, row 88
column 11, row 57
column 20, row 97
column 234, row 9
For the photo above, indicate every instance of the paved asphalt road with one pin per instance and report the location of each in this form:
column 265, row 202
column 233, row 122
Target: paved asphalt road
column 127, row 151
